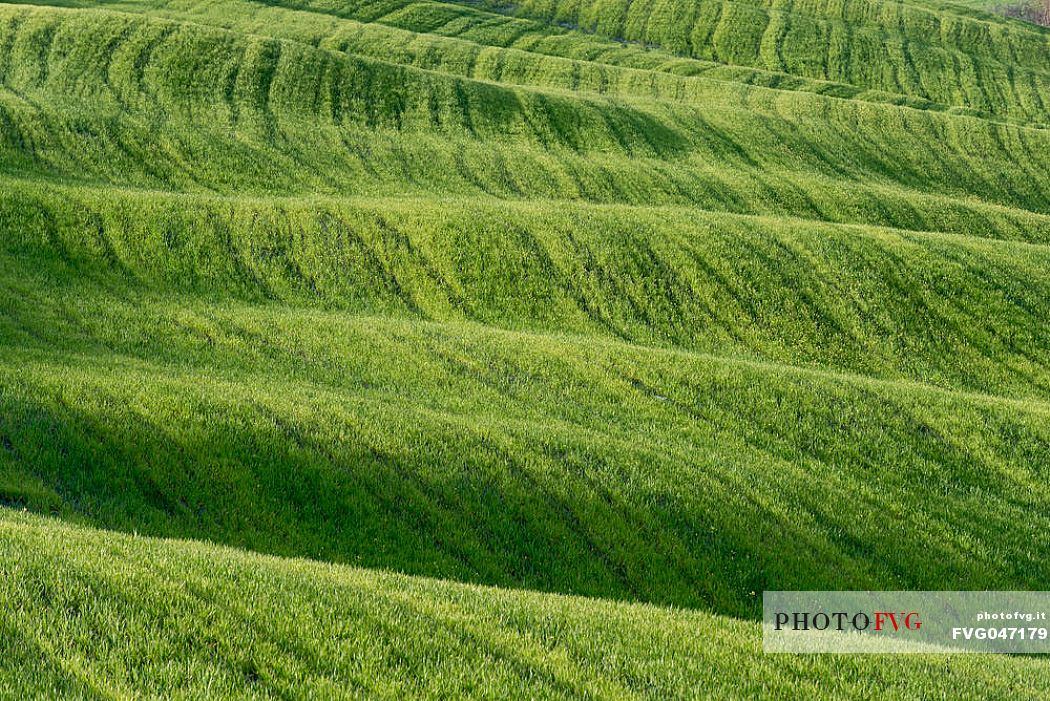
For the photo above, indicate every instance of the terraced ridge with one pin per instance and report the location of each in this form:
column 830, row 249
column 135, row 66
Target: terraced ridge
column 457, row 291
column 929, row 50
column 463, row 38
column 281, row 116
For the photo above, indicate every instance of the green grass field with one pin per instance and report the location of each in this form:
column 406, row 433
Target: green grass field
column 473, row 349
column 89, row 614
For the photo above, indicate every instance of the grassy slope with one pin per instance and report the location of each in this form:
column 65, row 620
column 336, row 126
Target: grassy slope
column 553, row 463
column 95, row 615
column 285, row 116
column 461, row 38
column 925, row 50
column 423, row 287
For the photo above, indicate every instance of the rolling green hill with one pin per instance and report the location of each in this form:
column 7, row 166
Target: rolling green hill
column 629, row 310
column 112, row 616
